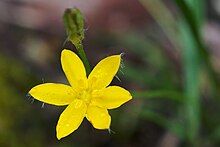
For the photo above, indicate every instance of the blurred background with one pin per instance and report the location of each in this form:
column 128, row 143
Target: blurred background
column 171, row 64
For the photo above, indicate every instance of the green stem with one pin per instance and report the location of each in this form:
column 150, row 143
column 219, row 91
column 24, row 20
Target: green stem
column 83, row 57
column 173, row 95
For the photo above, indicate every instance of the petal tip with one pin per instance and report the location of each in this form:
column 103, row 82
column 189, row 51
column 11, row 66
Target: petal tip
column 115, row 56
column 119, row 56
column 64, row 51
column 116, row 59
column 59, row 137
column 32, row 92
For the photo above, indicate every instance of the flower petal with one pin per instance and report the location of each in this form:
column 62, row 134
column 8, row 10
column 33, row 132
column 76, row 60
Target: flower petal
column 71, row 118
column 112, row 97
column 99, row 117
column 103, row 73
column 73, row 68
column 51, row 93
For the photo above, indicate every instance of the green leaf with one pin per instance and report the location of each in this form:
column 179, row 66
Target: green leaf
column 197, row 7
column 192, row 70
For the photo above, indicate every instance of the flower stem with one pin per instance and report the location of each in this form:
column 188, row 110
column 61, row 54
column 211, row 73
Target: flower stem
column 83, row 57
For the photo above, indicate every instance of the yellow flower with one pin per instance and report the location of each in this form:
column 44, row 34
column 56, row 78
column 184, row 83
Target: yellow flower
column 86, row 97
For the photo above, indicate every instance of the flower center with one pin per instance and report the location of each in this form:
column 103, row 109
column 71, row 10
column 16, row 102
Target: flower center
column 84, row 92
column 85, row 95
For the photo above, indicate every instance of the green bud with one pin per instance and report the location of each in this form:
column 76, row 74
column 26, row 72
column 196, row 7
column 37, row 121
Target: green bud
column 74, row 25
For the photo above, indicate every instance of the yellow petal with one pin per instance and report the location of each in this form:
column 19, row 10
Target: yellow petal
column 71, row 118
column 103, row 73
column 99, row 117
column 51, row 93
column 73, row 68
column 112, row 97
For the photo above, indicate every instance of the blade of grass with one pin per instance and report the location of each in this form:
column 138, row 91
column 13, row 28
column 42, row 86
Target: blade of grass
column 195, row 26
column 142, row 76
column 171, row 95
column 191, row 65
column 194, row 51
column 156, row 8
column 198, row 7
